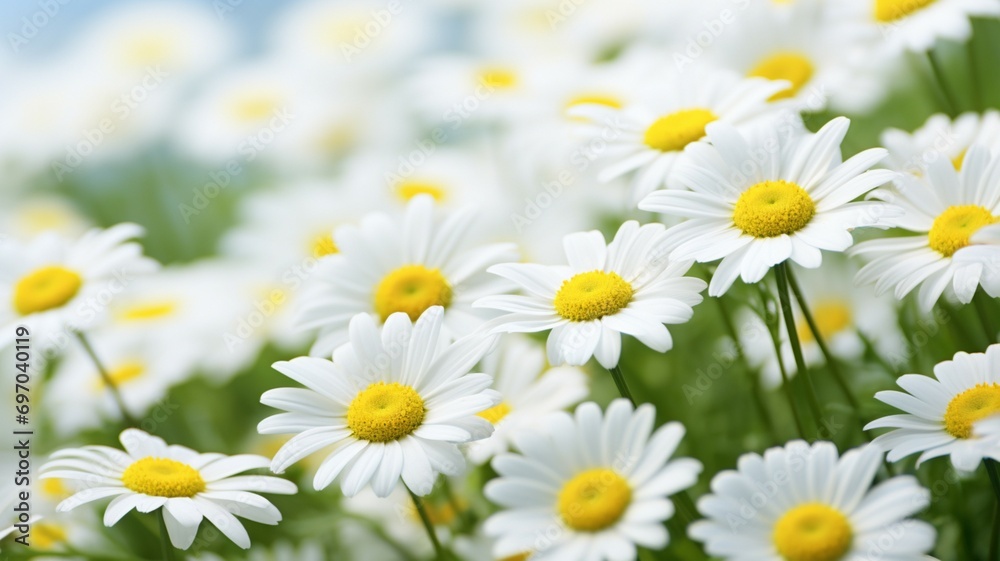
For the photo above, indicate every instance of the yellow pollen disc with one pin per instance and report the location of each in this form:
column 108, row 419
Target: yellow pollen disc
column 831, row 317
column 253, row 108
column 813, row 532
column 500, row 78
column 45, row 535
column 773, row 208
column 323, row 245
column 163, row 477
column 790, row 66
column 496, row 413
column 953, row 227
column 409, row 189
column 439, row 514
column 122, row 375
column 594, row 500
column 593, row 295
column 595, row 99
column 959, row 160
column 970, row 406
column 385, row 412
column 518, row 557
column 45, row 288
column 55, row 488
column 675, row 131
column 411, row 289
column 147, row 310
column 887, row 11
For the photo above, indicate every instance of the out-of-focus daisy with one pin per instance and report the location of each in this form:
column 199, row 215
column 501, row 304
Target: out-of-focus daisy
column 897, row 25
column 187, row 485
column 386, row 265
column 791, row 202
column 280, row 551
column 602, row 479
column 940, row 413
column 50, row 531
column 941, row 137
column 530, row 390
column 398, row 518
column 818, row 506
column 52, row 284
column 396, row 404
column 32, row 216
column 946, row 208
column 648, row 138
column 628, row 286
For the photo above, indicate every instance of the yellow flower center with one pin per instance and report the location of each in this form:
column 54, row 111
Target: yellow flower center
column 518, row 557
column 385, row 412
column 773, row 208
column 147, row 310
column 163, row 477
column 45, row 288
column 55, row 488
column 953, row 228
column 970, row 406
column 594, row 500
column 887, row 11
column 120, row 376
column 499, row 78
column 595, row 99
column 593, row 295
column 813, row 532
column 793, row 67
column 148, row 50
column 959, row 160
column 496, row 413
column 675, row 131
column 253, row 108
column 411, row 289
column 46, row 535
column 409, row 189
column 831, row 318
column 323, row 245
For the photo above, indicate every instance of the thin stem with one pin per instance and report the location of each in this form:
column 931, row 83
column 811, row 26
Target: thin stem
column 984, row 318
column 831, row 361
column 977, row 89
column 991, row 469
column 781, row 273
column 952, row 104
column 786, row 383
column 108, row 382
column 422, row 511
column 619, row 378
column 870, row 347
column 465, row 516
column 168, row 548
column 752, row 376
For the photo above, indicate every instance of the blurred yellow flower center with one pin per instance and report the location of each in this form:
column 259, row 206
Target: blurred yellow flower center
column 147, row 310
column 323, row 245
column 790, row 66
column 890, row 10
column 411, row 289
column 773, row 208
column 55, row 488
column 518, row 557
column 496, row 413
column 45, row 288
column 594, row 500
column 163, row 477
column 593, row 295
column 385, row 412
column 148, row 50
column 953, row 228
column 970, row 406
column 254, row 108
column 675, row 131
column 831, row 317
column 813, row 532
column 121, row 375
column 959, row 160
column 595, row 99
column 500, row 78
column 409, row 189
column 45, row 535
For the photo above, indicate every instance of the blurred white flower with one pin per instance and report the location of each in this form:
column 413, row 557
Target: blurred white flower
column 941, row 137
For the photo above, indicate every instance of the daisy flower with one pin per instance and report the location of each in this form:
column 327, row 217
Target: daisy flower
column 757, row 201
column 803, row 502
column 650, row 136
column 386, row 265
column 628, row 286
column 940, row 413
column 915, row 25
column 941, row 137
column 395, row 404
column 531, row 389
column 602, row 479
column 187, row 485
column 52, row 284
column 945, row 208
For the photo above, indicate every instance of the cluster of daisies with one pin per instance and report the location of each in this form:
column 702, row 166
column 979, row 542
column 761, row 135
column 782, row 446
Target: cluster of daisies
column 429, row 248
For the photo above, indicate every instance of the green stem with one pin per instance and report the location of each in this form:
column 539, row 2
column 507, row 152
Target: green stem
column 168, row 548
column 781, row 273
column 938, row 72
column 870, row 347
column 466, row 517
column 977, row 89
column 991, row 469
column 108, row 381
column 786, row 383
column 619, row 378
column 982, row 311
column 422, row 511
